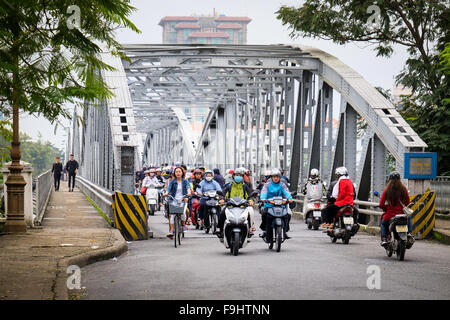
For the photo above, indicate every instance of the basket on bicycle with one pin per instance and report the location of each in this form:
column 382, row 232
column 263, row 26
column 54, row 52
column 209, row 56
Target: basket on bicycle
column 176, row 208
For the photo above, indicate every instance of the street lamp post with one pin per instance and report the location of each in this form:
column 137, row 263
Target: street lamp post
column 15, row 184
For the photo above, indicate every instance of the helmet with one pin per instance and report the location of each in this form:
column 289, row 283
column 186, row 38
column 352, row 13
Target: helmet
column 151, row 170
column 341, row 171
column 314, row 173
column 275, row 172
column 394, row 175
column 158, row 169
column 197, row 171
column 146, row 171
column 208, row 171
column 239, row 171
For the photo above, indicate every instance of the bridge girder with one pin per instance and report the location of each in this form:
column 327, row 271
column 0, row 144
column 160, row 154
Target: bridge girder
column 270, row 106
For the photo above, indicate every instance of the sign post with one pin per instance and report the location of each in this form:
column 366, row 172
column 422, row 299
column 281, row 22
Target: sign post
column 420, row 168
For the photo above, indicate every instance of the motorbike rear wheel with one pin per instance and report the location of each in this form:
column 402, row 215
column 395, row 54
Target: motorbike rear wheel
column 401, row 248
column 346, row 238
column 316, row 224
column 310, row 225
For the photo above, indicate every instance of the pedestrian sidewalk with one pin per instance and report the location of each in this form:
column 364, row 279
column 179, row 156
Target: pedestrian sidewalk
column 33, row 265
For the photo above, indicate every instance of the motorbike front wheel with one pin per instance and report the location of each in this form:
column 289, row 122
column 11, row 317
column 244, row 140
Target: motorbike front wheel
column 279, row 238
column 236, row 241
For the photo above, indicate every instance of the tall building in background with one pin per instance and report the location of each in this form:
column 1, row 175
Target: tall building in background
column 214, row 29
column 203, row 29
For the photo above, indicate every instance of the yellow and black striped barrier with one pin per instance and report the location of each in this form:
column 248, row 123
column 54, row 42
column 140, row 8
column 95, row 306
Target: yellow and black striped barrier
column 423, row 215
column 130, row 215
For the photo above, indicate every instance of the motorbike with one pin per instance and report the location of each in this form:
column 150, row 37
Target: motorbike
column 212, row 210
column 344, row 226
column 236, row 224
column 313, row 214
column 398, row 240
column 153, row 196
column 194, row 214
column 279, row 212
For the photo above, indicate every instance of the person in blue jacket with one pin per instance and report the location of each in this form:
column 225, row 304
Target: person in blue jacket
column 180, row 189
column 273, row 188
column 208, row 184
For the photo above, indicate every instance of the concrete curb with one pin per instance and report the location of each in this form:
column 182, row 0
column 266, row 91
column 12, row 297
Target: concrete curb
column 61, row 292
column 441, row 237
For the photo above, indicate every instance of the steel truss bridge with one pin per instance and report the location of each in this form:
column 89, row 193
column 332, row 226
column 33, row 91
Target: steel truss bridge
column 269, row 106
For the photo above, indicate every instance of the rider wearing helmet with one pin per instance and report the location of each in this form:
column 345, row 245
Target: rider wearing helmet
column 394, row 197
column 205, row 185
column 159, row 176
column 150, row 178
column 343, row 193
column 273, row 188
column 236, row 189
column 314, row 188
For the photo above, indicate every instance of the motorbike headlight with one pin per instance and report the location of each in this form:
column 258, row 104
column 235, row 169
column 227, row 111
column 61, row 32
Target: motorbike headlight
column 243, row 217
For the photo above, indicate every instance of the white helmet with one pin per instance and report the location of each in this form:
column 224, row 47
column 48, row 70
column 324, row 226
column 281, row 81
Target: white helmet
column 275, row 172
column 341, row 171
column 151, row 170
column 239, row 170
column 314, row 173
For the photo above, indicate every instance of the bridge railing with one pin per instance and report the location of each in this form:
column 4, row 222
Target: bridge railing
column 101, row 196
column 41, row 195
column 441, row 184
column 374, row 215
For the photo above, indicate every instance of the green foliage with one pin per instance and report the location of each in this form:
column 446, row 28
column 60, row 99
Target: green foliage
column 41, row 154
column 45, row 62
column 422, row 26
column 5, row 141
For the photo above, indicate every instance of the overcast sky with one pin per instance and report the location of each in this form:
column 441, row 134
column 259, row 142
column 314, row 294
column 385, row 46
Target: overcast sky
column 263, row 29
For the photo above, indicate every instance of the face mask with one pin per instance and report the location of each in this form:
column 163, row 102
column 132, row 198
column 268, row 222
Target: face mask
column 238, row 179
column 209, row 178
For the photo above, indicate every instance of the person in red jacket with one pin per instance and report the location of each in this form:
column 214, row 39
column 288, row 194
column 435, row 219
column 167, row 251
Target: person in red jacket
column 343, row 192
column 395, row 196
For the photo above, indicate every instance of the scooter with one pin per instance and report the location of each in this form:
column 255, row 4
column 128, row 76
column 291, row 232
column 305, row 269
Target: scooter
column 236, row 224
column 279, row 212
column 212, row 209
column 313, row 214
column 344, row 226
column 153, row 198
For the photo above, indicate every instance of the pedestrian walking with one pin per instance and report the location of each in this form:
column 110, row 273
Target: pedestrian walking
column 56, row 171
column 72, row 170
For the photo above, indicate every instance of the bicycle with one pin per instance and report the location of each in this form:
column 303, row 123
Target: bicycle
column 177, row 208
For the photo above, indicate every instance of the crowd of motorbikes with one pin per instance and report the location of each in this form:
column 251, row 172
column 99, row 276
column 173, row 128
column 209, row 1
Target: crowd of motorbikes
column 236, row 229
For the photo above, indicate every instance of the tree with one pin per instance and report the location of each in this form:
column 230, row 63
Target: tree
column 41, row 154
column 422, row 26
column 46, row 58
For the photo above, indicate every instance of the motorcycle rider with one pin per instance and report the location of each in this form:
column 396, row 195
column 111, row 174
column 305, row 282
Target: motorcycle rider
column 194, row 185
column 314, row 188
column 208, row 184
column 237, row 188
column 344, row 193
column 394, row 197
column 273, row 188
column 150, row 178
column 159, row 176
